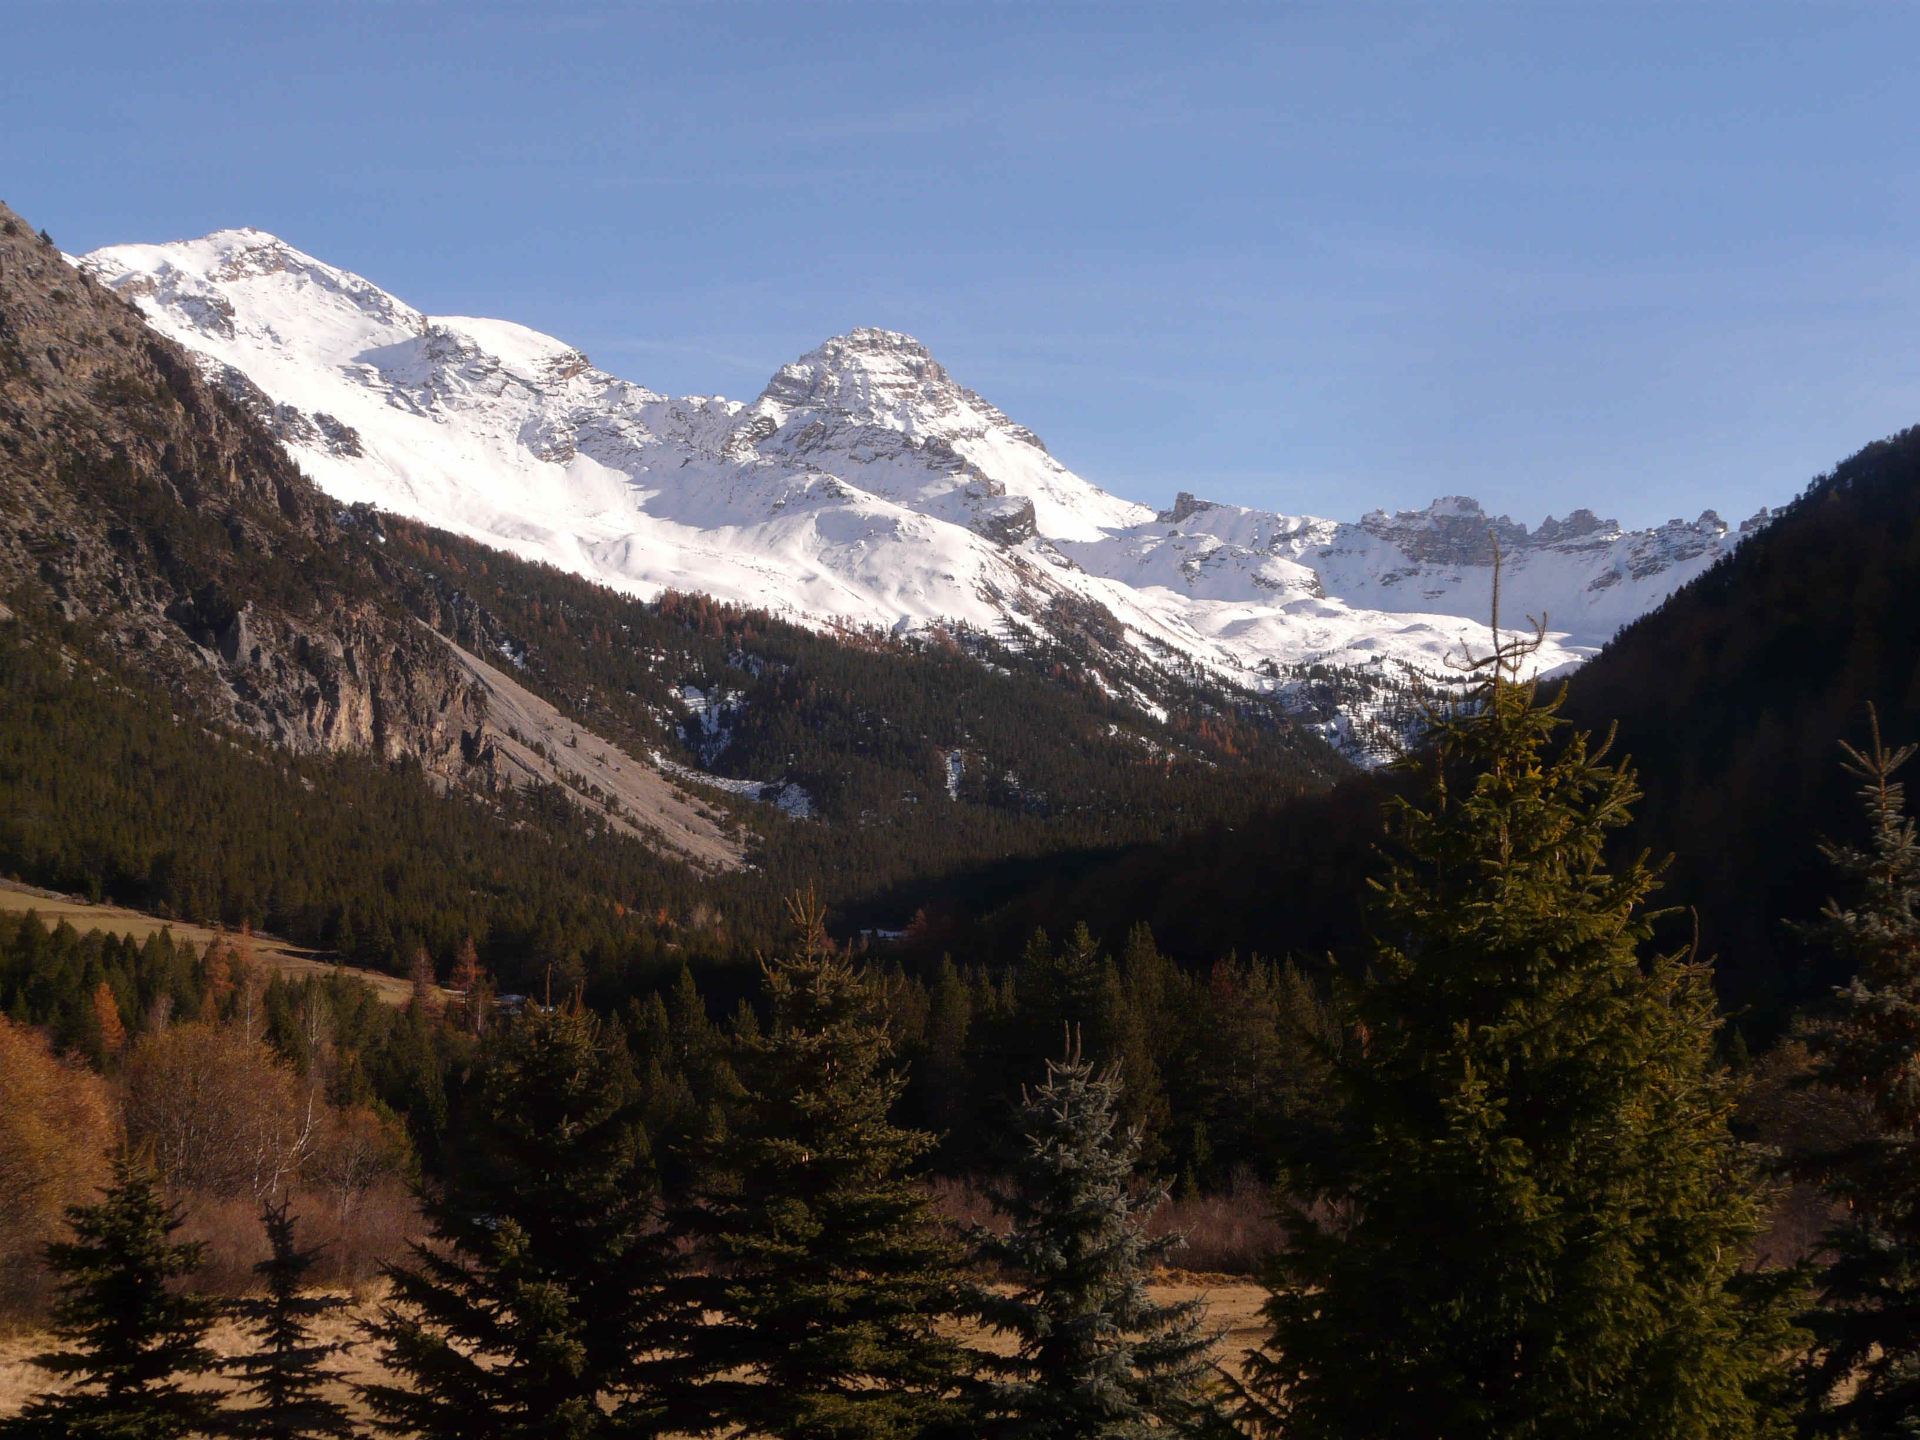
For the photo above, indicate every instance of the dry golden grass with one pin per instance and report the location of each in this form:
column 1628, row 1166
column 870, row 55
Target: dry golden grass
column 277, row 955
column 20, row 1379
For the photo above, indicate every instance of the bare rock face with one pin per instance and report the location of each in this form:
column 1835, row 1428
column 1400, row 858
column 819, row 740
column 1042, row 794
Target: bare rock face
column 1185, row 507
column 1451, row 531
column 157, row 510
column 1007, row 522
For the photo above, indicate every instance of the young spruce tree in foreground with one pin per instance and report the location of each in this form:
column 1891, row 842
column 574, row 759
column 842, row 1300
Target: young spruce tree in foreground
column 525, row 1319
column 1097, row 1359
column 1864, row 1370
column 129, row 1337
column 283, row 1373
column 1534, row 1220
column 826, row 1272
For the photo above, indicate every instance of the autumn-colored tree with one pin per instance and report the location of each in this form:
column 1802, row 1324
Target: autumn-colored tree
column 359, row 1149
column 466, row 966
column 106, row 1015
column 216, row 969
column 249, row 986
column 56, row 1128
column 221, row 1114
column 468, row 982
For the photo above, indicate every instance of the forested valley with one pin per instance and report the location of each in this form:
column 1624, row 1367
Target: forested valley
column 1072, row 977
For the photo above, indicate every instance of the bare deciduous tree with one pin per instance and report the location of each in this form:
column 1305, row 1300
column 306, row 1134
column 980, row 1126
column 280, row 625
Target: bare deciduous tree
column 221, row 1113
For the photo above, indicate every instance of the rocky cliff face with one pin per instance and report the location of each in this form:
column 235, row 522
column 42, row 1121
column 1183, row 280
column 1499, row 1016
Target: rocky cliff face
column 143, row 504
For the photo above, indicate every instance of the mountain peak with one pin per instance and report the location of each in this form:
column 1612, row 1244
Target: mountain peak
column 872, row 377
column 193, row 277
column 874, row 340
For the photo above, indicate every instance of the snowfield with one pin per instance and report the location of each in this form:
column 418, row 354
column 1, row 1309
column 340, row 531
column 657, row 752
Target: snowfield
column 863, row 485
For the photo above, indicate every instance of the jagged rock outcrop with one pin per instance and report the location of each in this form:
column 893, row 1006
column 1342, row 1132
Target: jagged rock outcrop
column 1008, row 523
column 1185, row 506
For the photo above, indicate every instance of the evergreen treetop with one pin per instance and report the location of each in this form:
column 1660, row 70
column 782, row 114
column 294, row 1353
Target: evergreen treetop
column 1096, row 1357
column 526, row 1317
column 1534, row 1218
column 130, row 1338
column 1874, row 1049
column 1863, row 1373
column 826, row 1272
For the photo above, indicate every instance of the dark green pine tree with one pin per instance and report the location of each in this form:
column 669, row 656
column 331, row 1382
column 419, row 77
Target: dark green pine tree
column 546, row 1275
column 1534, row 1220
column 826, row 1273
column 1097, row 1358
column 130, row 1337
column 283, row 1374
column 1864, row 1368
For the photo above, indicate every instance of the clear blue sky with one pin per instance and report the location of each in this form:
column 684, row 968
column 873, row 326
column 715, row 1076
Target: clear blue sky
column 1316, row 258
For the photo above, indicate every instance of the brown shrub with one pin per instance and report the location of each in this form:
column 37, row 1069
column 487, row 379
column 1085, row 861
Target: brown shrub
column 1231, row 1232
column 358, row 1151
column 963, row 1202
column 354, row 1245
column 221, row 1114
column 57, row 1127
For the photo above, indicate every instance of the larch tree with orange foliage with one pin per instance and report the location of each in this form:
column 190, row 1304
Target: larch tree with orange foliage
column 106, row 1015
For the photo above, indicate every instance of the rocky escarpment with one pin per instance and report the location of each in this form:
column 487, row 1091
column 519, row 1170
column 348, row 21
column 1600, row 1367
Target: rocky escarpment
column 152, row 510
column 1456, row 531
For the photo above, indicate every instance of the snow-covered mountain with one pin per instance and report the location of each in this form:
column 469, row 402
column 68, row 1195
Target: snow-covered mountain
column 864, row 485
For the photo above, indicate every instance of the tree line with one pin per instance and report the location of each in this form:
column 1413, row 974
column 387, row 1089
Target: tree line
column 1225, row 1066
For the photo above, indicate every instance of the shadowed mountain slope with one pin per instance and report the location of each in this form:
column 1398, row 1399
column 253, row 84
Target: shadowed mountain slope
column 1732, row 698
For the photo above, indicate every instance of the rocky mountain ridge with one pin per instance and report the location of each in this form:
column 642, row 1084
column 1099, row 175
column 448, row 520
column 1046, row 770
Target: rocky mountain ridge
column 864, row 485
column 158, row 542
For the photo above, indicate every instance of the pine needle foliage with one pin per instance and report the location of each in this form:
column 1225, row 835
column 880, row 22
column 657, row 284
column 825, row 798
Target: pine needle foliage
column 282, row 1375
column 1096, row 1357
column 523, row 1318
column 130, row 1338
column 826, row 1271
column 1533, row 1223
column 1864, row 1370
